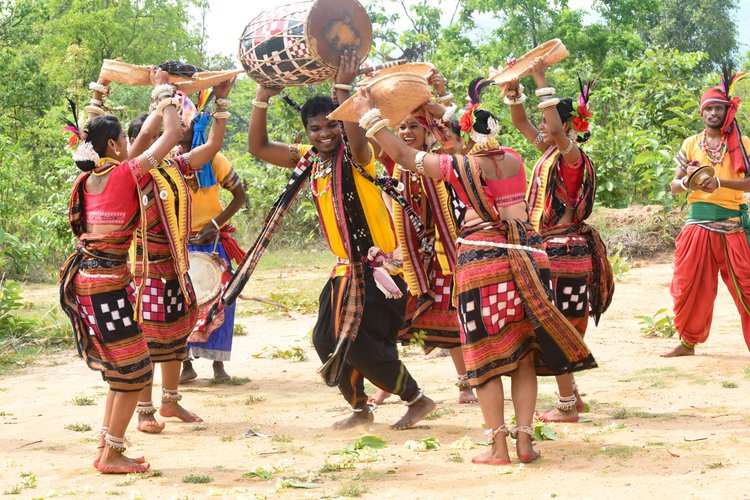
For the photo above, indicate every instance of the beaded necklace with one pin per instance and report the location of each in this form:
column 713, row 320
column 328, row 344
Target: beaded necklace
column 321, row 169
column 716, row 155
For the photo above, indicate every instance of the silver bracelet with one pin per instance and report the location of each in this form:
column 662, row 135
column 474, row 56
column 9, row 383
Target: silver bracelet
column 260, row 104
column 548, row 103
column 343, row 86
column 450, row 112
column 419, row 161
column 445, row 98
column 682, row 183
column 98, row 87
column 538, row 139
column 370, row 117
column 718, row 183
column 514, row 102
column 545, row 91
column 164, row 88
column 150, row 157
column 222, row 104
column 221, row 115
column 567, row 150
column 96, row 102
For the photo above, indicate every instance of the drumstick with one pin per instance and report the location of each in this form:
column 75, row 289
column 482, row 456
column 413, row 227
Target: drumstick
column 266, row 301
column 372, row 69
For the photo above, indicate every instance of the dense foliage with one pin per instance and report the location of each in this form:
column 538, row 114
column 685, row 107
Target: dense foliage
column 655, row 57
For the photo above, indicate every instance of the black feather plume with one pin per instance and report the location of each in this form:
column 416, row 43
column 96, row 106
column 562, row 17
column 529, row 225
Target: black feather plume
column 476, row 87
column 74, row 113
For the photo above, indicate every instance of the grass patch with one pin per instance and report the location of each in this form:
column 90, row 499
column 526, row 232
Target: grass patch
column 82, row 400
column 619, row 451
column 714, row 465
column 229, row 381
column 78, row 427
column 294, row 353
column 254, row 399
column 370, row 475
column 329, row 467
column 200, row 427
column 624, row 413
column 226, row 439
column 726, row 384
column 239, row 330
column 745, row 372
column 281, row 438
column 454, row 457
column 196, row 479
column 439, row 412
column 352, row 489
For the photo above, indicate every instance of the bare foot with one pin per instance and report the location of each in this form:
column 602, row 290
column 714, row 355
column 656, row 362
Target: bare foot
column 188, row 373
column 496, row 455
column 680, row 350
column 525, row 449
column 112, row 462
column 557, row 415
column 379, row 397
column 580, row 405
column 175, row 410
column 100, row 450
column 466, row 396
column 149, row 425
column 416, row 412
column 356, row 418
column 219, row 372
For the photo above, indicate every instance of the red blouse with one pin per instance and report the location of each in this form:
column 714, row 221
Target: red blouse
column 118, row 202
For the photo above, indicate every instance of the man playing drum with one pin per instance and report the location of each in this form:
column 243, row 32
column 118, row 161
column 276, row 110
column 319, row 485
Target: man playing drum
column 355, row 302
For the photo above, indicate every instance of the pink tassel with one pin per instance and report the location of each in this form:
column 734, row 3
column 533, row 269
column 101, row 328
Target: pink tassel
column 383, row 280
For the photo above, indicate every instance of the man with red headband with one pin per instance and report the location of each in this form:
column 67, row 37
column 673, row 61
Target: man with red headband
column 716, row 237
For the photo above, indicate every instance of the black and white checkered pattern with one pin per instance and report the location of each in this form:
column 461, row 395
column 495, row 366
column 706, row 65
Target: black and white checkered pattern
column 571, row 297
column 114, row 315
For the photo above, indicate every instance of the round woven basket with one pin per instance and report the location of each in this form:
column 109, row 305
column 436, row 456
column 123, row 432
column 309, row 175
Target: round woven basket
column 552, row 51
column 422, row 69
column 131, row 74
column 396, row 95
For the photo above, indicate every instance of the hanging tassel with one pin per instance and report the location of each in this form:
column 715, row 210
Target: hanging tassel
column 383, row 280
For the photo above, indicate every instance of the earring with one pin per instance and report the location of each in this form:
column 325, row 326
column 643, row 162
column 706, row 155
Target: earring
column 117, row 152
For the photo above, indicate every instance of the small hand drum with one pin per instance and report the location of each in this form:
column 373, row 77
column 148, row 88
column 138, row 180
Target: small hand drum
column 301, row 43
column 205, row 273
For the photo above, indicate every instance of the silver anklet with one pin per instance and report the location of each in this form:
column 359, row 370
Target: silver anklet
column 526, row 429
column 419, row 396
column 491, row 433
column 463, row 382
column 115, row 444
column 566, row 403
column 145, row 408
column 168, row 396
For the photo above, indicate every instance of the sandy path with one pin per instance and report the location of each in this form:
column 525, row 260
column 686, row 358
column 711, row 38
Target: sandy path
column 682, row 427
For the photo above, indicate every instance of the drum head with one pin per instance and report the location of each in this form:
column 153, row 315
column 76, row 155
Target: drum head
column 205, row 273
column 337, row 25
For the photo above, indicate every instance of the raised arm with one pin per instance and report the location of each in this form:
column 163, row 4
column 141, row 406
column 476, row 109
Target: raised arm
column 152, row 156
column 552, row 121
column 205, row 152
column 258, row 144
column 344, row 77
column 515, row 97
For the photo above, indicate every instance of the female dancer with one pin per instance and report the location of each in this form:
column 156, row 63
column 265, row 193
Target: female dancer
column 169, row 313
column 429, row 267
column 560, row 198
column 96, row 287
column 509, row 326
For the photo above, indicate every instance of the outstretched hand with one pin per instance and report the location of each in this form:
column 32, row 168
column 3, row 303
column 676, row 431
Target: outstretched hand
column 437, row 82
column 538, row 69
column 348, row 67
column 265, row 93
column 363, row 101
column 221, row 91
column 158, row 76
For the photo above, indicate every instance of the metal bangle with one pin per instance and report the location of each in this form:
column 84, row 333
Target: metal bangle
column 567, row 150
column 419, row 161
column 260, row 104
column 343, row 86
column 150, row 157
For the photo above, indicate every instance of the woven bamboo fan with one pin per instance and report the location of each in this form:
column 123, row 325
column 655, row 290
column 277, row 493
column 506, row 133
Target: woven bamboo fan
column 552, row 51
column 396, row 95
column 131, row 74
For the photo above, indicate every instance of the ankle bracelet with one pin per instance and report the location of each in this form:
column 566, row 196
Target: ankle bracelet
column 416, row 398
column 169, row 396
column 463, row 382
column 526, row 429
column 687, row 345
column 104, row 431
column 115, row 443
column 491, row 433
column 146, row 408
column 566, row 403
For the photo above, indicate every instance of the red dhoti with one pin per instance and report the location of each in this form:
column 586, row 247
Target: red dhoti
column 700, row 256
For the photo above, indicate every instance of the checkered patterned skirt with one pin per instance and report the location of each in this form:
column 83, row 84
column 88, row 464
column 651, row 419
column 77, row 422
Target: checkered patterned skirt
column 107, row 334
column 571, row 264
column 168, row 316
column 503, row 285
column 431, row 317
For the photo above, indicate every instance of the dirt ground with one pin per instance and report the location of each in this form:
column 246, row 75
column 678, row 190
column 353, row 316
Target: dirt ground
column 657, row 428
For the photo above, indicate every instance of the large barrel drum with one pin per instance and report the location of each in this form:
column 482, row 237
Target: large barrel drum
column 301, row 43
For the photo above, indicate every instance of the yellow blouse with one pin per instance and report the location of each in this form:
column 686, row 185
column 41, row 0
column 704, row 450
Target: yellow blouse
column 724, row 197
column 205, row 202
column 376, row 214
